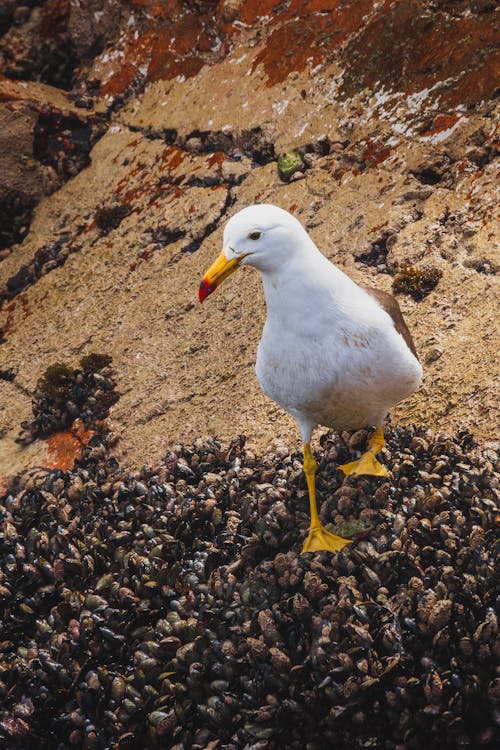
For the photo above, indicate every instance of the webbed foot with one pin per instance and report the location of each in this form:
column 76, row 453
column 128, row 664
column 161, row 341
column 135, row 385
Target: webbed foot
column 320, row 539
column 368, row 464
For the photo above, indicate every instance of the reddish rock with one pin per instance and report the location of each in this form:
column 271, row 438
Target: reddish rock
column 306, row 33
column 412, row 46
column 44, row 140
column 388, row 105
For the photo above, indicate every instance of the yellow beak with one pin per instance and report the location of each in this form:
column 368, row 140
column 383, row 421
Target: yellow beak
column 218, row 271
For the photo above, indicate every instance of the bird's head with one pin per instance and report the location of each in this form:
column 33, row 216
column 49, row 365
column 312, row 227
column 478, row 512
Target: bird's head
column 263, row 236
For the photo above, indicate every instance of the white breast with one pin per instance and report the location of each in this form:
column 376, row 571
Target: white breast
column 329, row 354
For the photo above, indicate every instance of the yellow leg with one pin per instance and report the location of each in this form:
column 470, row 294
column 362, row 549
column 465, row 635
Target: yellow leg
column 368, row 464
column 318, row 538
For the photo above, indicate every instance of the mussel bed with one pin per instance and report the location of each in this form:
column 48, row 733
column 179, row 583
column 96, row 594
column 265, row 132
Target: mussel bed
column 170, row 607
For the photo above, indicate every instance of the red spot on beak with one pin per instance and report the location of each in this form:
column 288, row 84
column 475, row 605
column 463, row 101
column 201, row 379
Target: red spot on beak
column 205, row 290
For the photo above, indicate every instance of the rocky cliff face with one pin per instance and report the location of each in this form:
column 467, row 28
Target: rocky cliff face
column 131, row 131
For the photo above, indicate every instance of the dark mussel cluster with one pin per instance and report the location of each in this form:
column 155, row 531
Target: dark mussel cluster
column 171, row 608
column 64, row 394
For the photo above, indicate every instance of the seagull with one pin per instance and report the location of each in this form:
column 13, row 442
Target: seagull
column 332, row 353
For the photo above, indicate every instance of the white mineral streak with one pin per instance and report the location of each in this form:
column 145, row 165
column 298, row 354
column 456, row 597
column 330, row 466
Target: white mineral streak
column 279, row 107
column 442, row 135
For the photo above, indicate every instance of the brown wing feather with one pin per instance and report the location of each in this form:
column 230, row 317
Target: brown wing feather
column 391, row 307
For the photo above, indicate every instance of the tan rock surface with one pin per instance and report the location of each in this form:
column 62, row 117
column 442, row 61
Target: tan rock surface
column 401, row 169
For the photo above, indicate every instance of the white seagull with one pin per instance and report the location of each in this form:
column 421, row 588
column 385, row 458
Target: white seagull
column 332, row 353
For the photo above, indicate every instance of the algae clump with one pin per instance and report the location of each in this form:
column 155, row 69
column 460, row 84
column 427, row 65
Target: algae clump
column 289, row 163
column 417, row 282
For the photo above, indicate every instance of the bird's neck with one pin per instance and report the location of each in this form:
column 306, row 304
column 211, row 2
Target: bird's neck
column 306, row 277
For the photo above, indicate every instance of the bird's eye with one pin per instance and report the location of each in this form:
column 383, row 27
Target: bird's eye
column 255, row 235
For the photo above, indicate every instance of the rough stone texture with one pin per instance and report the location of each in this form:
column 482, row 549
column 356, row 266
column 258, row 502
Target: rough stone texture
column 392, row 109
column 44, row 140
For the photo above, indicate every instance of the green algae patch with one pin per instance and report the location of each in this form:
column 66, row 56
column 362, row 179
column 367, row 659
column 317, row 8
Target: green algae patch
column 354, row 529
column 288, row 164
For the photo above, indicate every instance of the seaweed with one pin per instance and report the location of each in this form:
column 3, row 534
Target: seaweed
column 108, row 218
column 95, row 362
column 63, row 394
column 417, row 282
column 55, row 383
